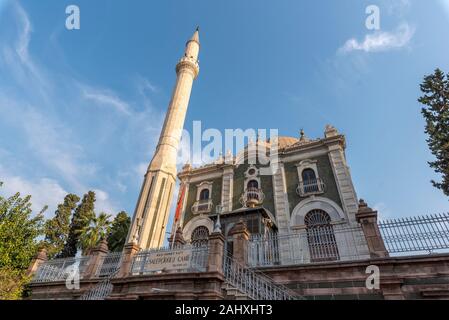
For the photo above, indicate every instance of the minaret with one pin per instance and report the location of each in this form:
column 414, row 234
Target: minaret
column 148, row 229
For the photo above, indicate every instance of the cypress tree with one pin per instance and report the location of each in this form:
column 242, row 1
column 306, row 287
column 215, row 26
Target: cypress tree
column 435, row 99
column 57, row 229
column 81, row 217
column 119, row 232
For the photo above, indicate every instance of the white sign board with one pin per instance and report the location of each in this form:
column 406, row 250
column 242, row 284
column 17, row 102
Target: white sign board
column 168, row 260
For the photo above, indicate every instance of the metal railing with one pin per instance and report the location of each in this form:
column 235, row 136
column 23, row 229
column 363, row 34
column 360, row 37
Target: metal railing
column 102, row 289
column 307, row 246
column 255, row 285
column 110, row 264
column 310, row 187
column 252, row 197
column 60, row 269
column 416, row 234
column 202, row 206
column 196, row 260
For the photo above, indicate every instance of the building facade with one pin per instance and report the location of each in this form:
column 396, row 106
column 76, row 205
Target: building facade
column 245, row 228
column 309, row 195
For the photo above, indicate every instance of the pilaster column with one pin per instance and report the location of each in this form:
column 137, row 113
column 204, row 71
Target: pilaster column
column 39, row 258
column 367, row 218
column 240, row 235
column 216, row 251
column 227, row 188
column 129, row 251
column 343, row 179
column 96, row 259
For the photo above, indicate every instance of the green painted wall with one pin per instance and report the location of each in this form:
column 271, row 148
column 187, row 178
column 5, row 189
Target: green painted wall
column 191, row 197
column 239, row 181
column 324, row 171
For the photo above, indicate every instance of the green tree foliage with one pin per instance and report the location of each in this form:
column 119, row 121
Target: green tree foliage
column 19, row 232
column 12, row 283
column 57, row 229
column 435, row 99
column 95, row 228
column 119, row 232
column 83, row 213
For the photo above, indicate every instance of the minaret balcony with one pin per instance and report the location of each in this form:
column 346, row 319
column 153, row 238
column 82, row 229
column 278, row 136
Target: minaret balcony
column 203, row 206
column 252, row 197
column 310, row 187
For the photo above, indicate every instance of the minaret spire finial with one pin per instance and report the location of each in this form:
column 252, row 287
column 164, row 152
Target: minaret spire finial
column 196, row 35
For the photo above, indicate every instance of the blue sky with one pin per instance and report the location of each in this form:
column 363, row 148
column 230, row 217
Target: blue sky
column 82, row 109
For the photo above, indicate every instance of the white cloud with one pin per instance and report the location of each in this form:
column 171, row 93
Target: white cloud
column 44, row 191
column 106, row 97
column 49, row 119
column 103, row 203
column 381, row 41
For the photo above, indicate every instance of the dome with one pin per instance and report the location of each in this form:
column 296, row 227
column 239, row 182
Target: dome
column 284, row 142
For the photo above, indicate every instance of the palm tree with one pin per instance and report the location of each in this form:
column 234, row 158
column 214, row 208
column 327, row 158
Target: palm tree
column 96, row 229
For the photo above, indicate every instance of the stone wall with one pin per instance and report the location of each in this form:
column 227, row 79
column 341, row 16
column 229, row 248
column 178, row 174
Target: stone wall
column 414, row 277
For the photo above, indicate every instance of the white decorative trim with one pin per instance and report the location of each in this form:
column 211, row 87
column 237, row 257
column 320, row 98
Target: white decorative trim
column 227, row 189
column 198, row 221
column 203, row 186
column 205, row 176
column 330, row 207
column 250, row 177
column 307, row 164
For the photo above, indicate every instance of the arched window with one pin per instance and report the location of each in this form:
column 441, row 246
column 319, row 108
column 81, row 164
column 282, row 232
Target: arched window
column 253, row 184
column 321, row 237
column 200, row 236
column 204, row 194
column 309, row 180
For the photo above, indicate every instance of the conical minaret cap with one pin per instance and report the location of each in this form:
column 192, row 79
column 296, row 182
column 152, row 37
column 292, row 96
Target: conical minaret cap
column 196, row 35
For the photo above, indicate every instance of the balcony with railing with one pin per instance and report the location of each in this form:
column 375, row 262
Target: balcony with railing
column 203, row 206
column 252, row 197
column 310, row 187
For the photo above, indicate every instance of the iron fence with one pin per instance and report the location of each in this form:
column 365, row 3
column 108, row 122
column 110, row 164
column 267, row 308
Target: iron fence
column 110, row 264
column 60, row 269
column 306, row 246
column 255, row 285
column 416, row 234
column 194, row 260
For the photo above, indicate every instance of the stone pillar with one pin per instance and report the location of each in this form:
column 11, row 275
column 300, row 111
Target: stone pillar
column 129, row 251
column 40, row 258
column 216, row 251
column 177, row 240
column 240, row 235
column 96, row 258
column 367, row 218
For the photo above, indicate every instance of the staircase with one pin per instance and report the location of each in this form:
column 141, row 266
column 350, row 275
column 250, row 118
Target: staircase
column 243, row 283
column 101, row 290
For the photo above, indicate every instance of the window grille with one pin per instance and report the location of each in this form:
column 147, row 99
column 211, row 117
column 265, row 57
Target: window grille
column 321, row 237
column 200, row 236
